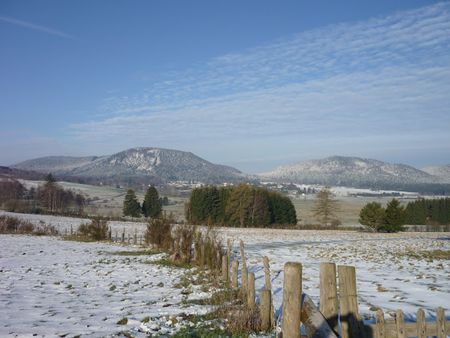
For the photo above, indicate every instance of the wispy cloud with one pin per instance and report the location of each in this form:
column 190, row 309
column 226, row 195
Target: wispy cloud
column 371, row 80
column 35, row 27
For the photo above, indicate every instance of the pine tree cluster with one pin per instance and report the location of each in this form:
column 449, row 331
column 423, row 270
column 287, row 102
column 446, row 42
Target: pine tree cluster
column 240, row 206
column 428, row 211
column 151, row 206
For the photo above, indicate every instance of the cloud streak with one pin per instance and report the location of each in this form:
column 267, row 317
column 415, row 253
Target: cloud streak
column 371, row 80
column 35, row 27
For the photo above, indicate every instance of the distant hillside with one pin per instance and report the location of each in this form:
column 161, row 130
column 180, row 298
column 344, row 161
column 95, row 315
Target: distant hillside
column 7, row 173
column 442, row 172
column 352, row 172
column 136, row 165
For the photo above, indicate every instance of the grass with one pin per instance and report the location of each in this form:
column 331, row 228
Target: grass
column 170, row 263
column 123, row 321
column 429, row 255
column 135, row 253
column 217, row 298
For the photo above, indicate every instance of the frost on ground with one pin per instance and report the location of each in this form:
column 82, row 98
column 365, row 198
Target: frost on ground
column 389, row 275
column 51, row 287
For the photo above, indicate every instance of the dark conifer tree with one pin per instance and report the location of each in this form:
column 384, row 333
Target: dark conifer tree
column 151, row 207
column 131, row 205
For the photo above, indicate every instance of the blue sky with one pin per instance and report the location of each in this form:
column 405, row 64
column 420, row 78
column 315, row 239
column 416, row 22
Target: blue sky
column 253, row 84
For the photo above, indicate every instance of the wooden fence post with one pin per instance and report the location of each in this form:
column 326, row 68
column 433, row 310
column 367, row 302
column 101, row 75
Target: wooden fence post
column 251, row 291
column 265, row 309
column 123, row 235
column 292, row 293
column 268, row 285
column 225, row 269
column 234, row 274
column 400, row 324
column 421, row 324
column 351, row 323
column 440, row 323
column 135, row 237
column 328, row 294
column 381, row 330
column 202, row 255
column 244, row 272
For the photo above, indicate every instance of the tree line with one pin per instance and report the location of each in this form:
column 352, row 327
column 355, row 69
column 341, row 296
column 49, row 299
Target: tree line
column 394, row 216
column 240, row 206
column 428, row 211
column 49, row 197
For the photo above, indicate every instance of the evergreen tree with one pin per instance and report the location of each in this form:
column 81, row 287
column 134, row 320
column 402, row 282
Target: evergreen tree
column 131, row 205
column 394, row 217
column 151, row 207
column 372, row 216
column 325, row 207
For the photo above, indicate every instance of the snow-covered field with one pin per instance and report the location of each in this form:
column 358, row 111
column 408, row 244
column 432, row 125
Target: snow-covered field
column 388, row 276
column 50, row 287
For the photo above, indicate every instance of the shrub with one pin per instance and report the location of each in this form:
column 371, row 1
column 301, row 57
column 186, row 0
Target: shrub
column 213, row 248
column 159, row 233
column 96, row 230
column 184, row 236
column 14, row 225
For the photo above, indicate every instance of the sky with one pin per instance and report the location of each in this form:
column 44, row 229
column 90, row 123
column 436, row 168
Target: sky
column 253, row 84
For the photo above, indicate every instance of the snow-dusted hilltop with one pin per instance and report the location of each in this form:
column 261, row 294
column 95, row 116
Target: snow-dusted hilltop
column 442, row 172
column 350, row 171
column 161, row 164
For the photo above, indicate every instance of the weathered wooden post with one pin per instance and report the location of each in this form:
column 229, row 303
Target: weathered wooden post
column 225, row 269
column 351, row 323
column 251, row 292
column 268, row 285
column 202, row 255
column 328, row 294
column 400, row 324
column 316, row 326
column 292, row 293
column 110, row 234
column 421, row 324
column 129, row 238
column 244, row 272
column 123, row 235
column 229, row 251
column 381, row 330
column 234, row 274
column 135, row 237
column 440, row 323
column 265, row 309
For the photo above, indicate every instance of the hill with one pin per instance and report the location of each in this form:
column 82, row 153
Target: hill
column 442, row 172
column 353, row 172
column 135, row 166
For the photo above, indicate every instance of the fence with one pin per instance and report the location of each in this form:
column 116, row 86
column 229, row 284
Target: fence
column 338, row 315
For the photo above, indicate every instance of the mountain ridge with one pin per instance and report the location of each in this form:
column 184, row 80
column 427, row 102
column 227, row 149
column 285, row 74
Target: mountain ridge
column 159, row 164
column 351, row 171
